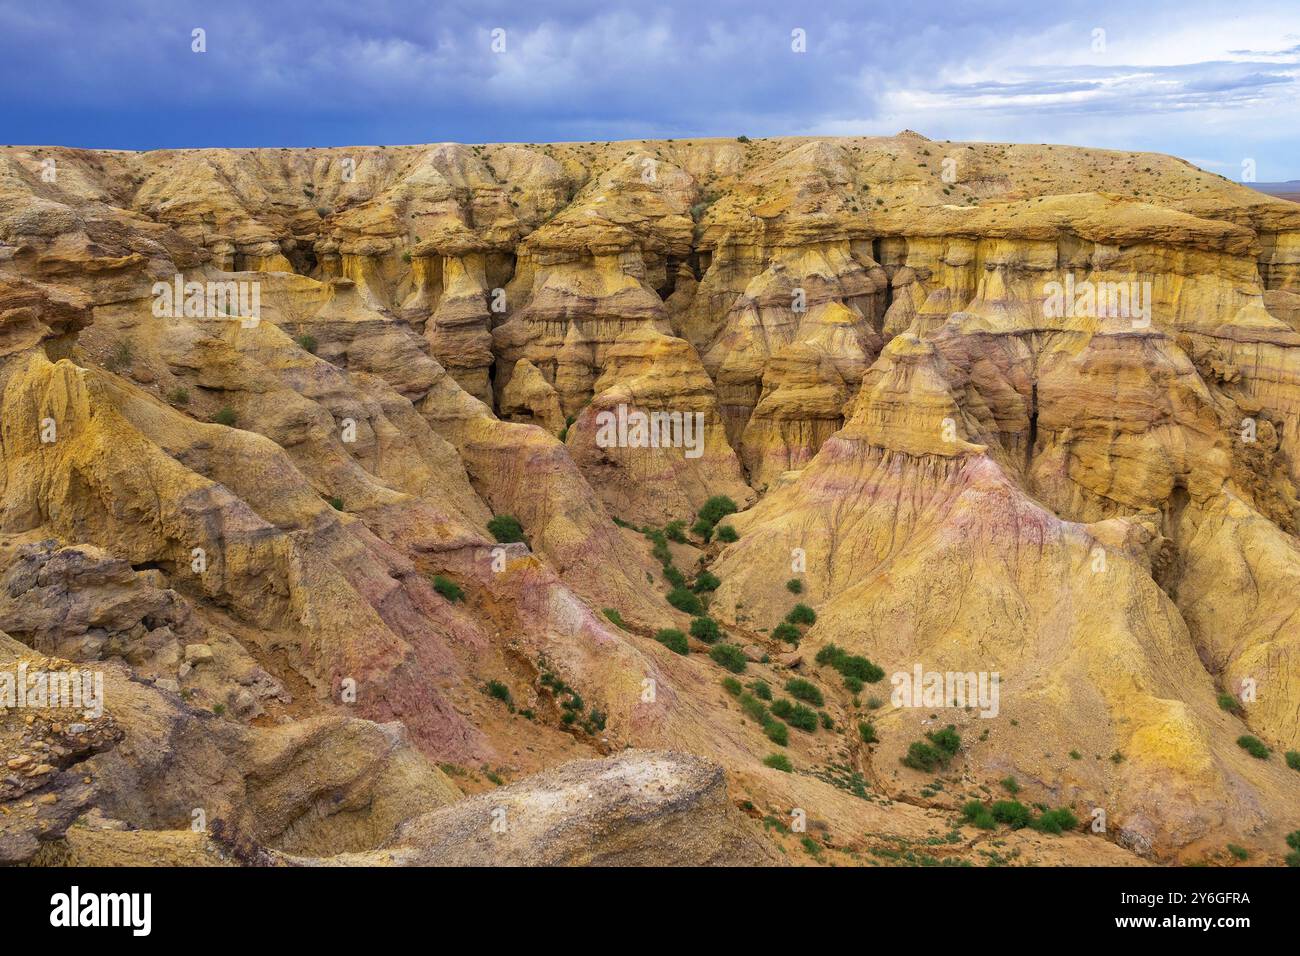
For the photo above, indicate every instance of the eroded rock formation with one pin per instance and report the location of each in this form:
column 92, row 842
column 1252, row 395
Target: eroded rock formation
column 271, row 418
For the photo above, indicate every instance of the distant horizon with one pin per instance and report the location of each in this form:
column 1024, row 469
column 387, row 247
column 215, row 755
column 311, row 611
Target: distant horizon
column 1259, row 186
column 1216, row 88
column 628, row 139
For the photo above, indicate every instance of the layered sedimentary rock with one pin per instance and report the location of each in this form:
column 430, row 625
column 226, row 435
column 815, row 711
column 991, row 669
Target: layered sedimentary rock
column 801, row 405
column 830, row 297
column 152, row 762
column 652, row 442
column 637, row 809
column 531, row 400
column 906, row 515
column 268, row 415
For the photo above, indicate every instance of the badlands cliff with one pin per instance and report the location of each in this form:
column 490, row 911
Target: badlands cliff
column 274, row 514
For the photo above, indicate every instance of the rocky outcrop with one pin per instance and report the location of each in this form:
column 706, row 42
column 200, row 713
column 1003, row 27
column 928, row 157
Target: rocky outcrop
column 642, row 808
column 148, row 761
column 801, row 405
column 653, row 441
column 531, row 400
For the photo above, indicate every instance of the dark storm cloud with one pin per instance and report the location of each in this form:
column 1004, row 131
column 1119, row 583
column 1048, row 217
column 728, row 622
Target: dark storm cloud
column 342, row 71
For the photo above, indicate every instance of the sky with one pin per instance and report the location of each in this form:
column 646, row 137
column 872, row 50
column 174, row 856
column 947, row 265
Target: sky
column 1213, row 82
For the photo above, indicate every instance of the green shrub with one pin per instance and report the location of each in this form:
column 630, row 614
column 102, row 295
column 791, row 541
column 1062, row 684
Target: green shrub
column 800, row 689
column 178, row 395
column 336, row 503
column 1292, row 840
column 727, row 534
column 506, row 529
column 921, row 756
column 1229, row 703
column 802, row 614
column 716, row 508
column 685, row 600
column 448, row 588
column 672, row 639
column 674, row 576
column 811, row 845
column 1010, row 785
column 732, row 686
column 853, row 684
column 1253, row 746
column 786, row 632
column 595, row 721
column 1239, row 852
column 615, row 617
column 1293, row 759
column 705, row 581
column 675, row 531
column 975, row 813
column 660, row 550
column 867, row 731
column 825, row 718
column 776, row 732
column 307, row 343
column 937, row 753
column 850, row 665
column 1055, row 821
column 729, row 656
column 554, row 683
column 778, row 762
column 754, row 709
column 500, row 691
column 794, row 586
column 1011, row 812
column 796, row 715
column 761, row 689
column 705, row 629
column 226, row 417
column 946, row 740
column 830, row 655
column 854, row 666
